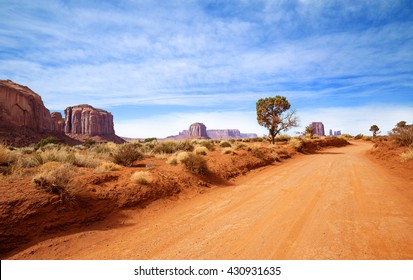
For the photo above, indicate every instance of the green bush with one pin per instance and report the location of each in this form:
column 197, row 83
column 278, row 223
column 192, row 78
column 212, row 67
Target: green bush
column 46, row 141
column 195, row 164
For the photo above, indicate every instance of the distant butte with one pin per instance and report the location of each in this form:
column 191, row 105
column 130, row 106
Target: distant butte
column 199, row 131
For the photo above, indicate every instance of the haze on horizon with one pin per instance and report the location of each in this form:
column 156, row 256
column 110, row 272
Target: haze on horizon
column 159, row 66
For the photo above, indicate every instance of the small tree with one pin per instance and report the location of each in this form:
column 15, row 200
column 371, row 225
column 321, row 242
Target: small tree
column 309, row 130
column 375, row 129
column 274, row 113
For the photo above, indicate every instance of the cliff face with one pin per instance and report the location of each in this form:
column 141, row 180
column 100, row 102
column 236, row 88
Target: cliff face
column 87, row 120
column 198, row 131
column 224, row 133
column 22, row 107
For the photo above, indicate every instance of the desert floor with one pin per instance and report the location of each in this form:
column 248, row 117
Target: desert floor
column 336, row 204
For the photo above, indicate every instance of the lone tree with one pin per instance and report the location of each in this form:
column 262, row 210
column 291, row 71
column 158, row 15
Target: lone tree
column 375, row 129
column 274, row 113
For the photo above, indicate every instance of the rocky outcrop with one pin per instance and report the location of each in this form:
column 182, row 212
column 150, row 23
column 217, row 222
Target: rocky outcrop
column 224, row 133
column 87, row 120
column 58, row 122
column 198, row 131
column 21, row 107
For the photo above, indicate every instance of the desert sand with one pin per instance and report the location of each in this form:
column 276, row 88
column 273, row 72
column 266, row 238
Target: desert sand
column 335, row 204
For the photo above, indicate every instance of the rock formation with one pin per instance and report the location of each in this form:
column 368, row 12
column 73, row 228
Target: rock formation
column 58, row 123
column 318, row 128
column 224, row 134
column 21, row 107
column 198, row 131
column 87, row 120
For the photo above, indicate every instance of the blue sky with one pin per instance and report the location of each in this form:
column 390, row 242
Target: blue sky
column 159, row 66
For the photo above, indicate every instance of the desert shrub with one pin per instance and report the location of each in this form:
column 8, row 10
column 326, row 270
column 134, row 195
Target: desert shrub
column 56, row 154
column 282, row 138
column 172, row 160
column 407, row 156
column 225, row 144
column 142, row 177
column 181, row 156
column 107, row 166
column 126, row 154
column 367, row 138
column 89, row 142
column 296, row 143
column 46, row 141
column 257, row 152
column 195, row 164
column 403, row 136
column 82, row 160
column 207, row 144
column 151, row 139
column 6, row 156
column 226, row 151
column 358, row 136
column 240, row 146
column 56, row 179
column 201, row 151
column 170, row 147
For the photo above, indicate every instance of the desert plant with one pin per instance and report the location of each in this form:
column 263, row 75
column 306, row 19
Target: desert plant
column 201, row 151
column 274, row 113
column 6, row 156
column 107, row 166
column 170, row 147
column 407, row 156
column 226, row 151
column 375, row 129
column 46, row 141
column 402, row 134
column 195, row 164
column 142, row 177
column 296, row 143
column 207, row 144
column 225, row 144
column 358, row 136
column 57, row 180
column 89, row 142
column 282, row 138
column 126, row 154
column 240, row 146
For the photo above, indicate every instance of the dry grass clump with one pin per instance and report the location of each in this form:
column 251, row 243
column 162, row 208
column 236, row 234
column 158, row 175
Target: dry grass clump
column 201, row 151
column 225, row 144
column 126, row 154
column 107, row 166
column 55, row 178
column 296, row 143
column 226, row 151
column 170, row 147
column 407, row 156
column 207, row 144
column 240, row 146
column 6, row 156
column 195, row 164
column 282, row 138
column 142, row 177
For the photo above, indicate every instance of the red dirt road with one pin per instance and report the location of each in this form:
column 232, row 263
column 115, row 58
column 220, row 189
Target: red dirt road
column 337, row 204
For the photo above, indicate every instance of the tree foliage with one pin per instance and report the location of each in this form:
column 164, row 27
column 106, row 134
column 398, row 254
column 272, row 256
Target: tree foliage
column 375, row 129
column 274, row 113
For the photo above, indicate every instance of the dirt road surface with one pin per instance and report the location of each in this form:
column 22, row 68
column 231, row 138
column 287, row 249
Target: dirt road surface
column 337, row 204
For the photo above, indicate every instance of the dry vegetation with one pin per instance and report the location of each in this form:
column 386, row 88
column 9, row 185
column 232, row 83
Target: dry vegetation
column 62, row 186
